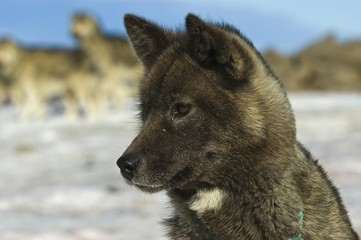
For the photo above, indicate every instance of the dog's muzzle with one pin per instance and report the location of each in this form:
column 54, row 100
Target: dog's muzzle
column 128, row 164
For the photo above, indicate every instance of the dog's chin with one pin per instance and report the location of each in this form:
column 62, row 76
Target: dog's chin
column 178, row 180
column 150, row 189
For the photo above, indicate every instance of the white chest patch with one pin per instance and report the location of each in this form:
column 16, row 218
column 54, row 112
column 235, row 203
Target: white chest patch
column 207, row 200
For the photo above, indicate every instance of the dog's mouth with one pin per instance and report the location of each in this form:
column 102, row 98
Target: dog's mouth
column 178, row 179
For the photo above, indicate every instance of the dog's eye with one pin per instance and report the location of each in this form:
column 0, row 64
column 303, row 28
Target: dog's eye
column 182, row 109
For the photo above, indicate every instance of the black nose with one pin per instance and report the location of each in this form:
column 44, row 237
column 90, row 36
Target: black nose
column 128, row 164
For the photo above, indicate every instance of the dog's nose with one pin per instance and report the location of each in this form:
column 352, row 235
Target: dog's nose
column 128, row 164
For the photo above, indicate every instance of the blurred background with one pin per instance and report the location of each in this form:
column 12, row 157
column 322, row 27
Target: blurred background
column 68, row 94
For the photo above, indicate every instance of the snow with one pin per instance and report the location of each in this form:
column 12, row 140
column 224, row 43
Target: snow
column 58, row 178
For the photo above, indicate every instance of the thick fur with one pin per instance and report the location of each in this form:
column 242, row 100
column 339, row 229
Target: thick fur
column 111, row 54
column 34, row 76
column 229, row 161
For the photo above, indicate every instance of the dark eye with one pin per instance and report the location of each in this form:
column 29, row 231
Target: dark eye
column 182, row 109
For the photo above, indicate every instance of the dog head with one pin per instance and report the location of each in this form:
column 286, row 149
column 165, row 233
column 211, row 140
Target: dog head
column 202, row 106
column 84, row 26
column 9, row 55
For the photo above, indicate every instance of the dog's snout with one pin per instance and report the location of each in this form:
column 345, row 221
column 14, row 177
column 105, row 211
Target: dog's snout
column 128, row 164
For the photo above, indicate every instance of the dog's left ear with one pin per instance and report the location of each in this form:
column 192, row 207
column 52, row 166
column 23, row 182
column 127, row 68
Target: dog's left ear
column 213, row 46
column 148, row 39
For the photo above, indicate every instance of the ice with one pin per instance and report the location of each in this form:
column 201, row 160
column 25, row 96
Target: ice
column 58, row 178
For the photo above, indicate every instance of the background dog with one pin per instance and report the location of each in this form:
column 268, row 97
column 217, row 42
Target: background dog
column 112, row 56
column 35, row 76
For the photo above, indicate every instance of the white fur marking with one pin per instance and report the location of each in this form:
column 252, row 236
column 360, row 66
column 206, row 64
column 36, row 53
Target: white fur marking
column 207, row 200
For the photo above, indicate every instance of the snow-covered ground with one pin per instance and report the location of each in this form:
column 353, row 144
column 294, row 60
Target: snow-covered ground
column 58, row 179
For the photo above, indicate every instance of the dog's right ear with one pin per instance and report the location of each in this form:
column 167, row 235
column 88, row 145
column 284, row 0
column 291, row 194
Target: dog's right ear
column 148, row 39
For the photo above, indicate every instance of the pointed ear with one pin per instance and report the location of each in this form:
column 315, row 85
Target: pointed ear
column 208, row 43
column 148, row 39
column 213, row 45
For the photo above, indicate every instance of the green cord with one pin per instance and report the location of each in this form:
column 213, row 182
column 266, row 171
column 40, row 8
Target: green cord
column 300, row 224
column 298, row 237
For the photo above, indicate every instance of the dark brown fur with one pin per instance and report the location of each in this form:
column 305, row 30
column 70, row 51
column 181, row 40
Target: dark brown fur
column 219, row 136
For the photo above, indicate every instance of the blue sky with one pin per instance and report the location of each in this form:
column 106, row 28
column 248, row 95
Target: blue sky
column 283, row 24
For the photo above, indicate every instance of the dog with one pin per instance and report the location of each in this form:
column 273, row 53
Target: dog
column 218, row 135
column 111, row 54
column 34, row 76
column 3, row 90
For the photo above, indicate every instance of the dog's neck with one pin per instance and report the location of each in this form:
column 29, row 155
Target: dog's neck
column 204, row 210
